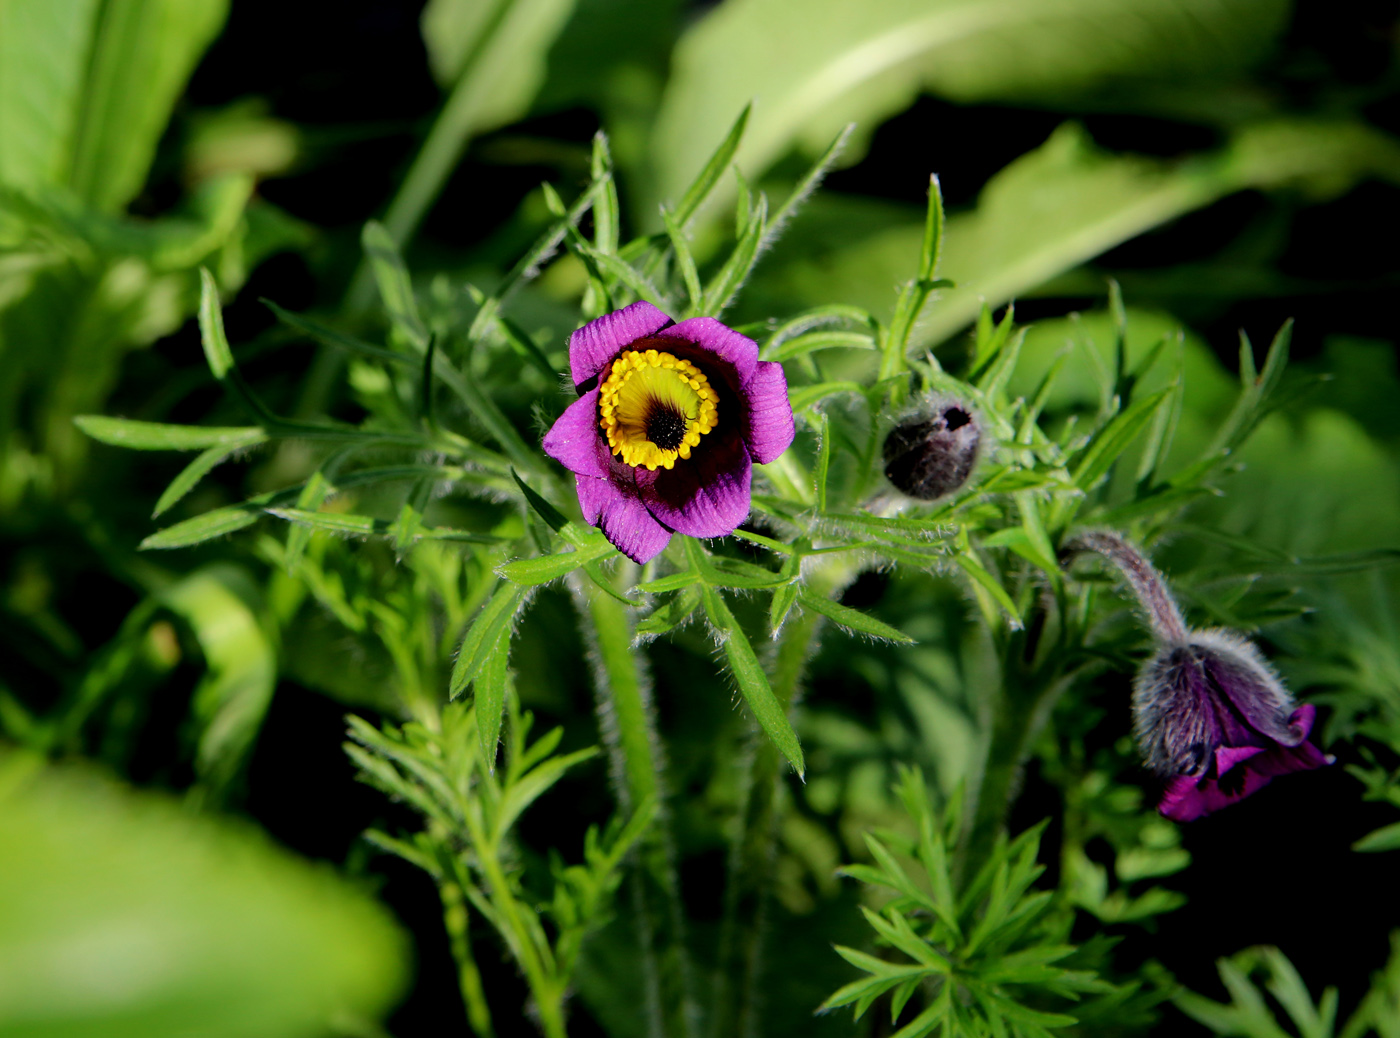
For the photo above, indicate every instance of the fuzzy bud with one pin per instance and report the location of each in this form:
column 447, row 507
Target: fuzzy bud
column 1209, row 713
column 932, row 453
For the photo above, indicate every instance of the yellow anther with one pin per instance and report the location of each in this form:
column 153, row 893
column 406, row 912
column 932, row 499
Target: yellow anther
column 655, row 396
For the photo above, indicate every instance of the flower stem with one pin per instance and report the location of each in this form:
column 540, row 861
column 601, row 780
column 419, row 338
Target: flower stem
column 628, row 722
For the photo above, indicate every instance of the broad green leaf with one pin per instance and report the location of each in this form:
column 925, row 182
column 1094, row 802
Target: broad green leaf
column 201, row 528
column 752, row 681
column 126, row 915
column 843, row 62
column 158, row 436
column 853, row 619
column 44, row 54
column 142, row 55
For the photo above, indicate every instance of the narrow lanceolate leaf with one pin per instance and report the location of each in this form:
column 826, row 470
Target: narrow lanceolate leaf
column 491, row 697
column 708, row 177
column 309, row 500
column 551, row 567
column 395, row 285
column 824, row 339
column 495, row 617
column 804, row 397
column 1115, row 438
column 196, row 470
column 551, row 515
column 1383, row 839
column 853, row 619
column 694, row 293
column 752, row 681
column 331, row 337
column 202, row 528
column 329, row 522
column 721, row 290
column 158, row 436
column 211, row 327
column 972, row 566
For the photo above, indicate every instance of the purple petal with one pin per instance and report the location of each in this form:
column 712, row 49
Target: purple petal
column 574, row 440
column 1226, row 757
column 770, row 428
column 739, row 352
column 632, row 530
column 598, row 342
column 708, row 496
column 593, row 496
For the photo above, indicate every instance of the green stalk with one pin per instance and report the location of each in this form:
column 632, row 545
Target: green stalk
column 751, row 855
column 629, row 731
column 457, row 920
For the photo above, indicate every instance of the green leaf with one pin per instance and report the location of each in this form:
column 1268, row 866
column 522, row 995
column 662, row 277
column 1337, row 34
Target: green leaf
column 1116, row 437
column 972, row 566
column 844, row 62
column 720, row 292
column 142, row 54
column 801, row 345
column 211, row 327
column 490, row 687
column 551, row 515
column 206, row 527
column 551, row 567
column 395, row 284
column 481, row 636
column 44, row 52
column 1386, row 838
column 804, row 397
column 343, row 523
column 854, row 619
column 221, row 604
column 670, row 615
column 331, row 337
column 751, row 679
column 709, row 176
column 196, row 470
column 158, row 436
column 186, row 922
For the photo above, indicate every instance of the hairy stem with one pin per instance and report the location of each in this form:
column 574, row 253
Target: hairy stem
column 628, row 723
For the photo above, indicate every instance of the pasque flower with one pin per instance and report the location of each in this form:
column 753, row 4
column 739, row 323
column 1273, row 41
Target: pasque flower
column 932, row 452
column 1209, row 713
column 669, row 420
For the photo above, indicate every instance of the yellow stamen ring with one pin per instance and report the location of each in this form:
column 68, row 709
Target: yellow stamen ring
column 654, row 408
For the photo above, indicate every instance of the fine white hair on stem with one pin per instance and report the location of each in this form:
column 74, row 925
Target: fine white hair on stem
column 1147, row 584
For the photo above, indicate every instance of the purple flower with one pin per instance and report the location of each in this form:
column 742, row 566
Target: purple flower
column 669, row 420
column 1209, row 713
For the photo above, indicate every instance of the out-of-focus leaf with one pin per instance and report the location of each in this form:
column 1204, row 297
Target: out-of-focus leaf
column 1053, row 209
column 1387, row 838
column 157, row 436
column 202, row 528
column 846, row 62
column 220, row 605
column 142, row 54
column 43, row 65
column 124, row 915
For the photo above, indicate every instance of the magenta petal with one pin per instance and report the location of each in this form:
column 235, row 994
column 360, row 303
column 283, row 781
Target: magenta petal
column 770, row 428
column 632, row 530
column 738, row 351
column 593, row 496
column 707, row 496
column 598, row 342
column 1226, row 757
column 574, row 440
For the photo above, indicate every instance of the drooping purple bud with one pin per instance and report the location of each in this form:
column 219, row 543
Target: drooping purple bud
column 933, row 452
column 1210, row 714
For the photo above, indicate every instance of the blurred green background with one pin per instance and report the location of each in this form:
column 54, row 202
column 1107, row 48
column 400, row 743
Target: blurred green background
column 1230, row 163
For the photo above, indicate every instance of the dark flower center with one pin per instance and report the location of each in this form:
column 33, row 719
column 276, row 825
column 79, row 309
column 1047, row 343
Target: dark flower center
column 955, row 418
column 666, row 427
